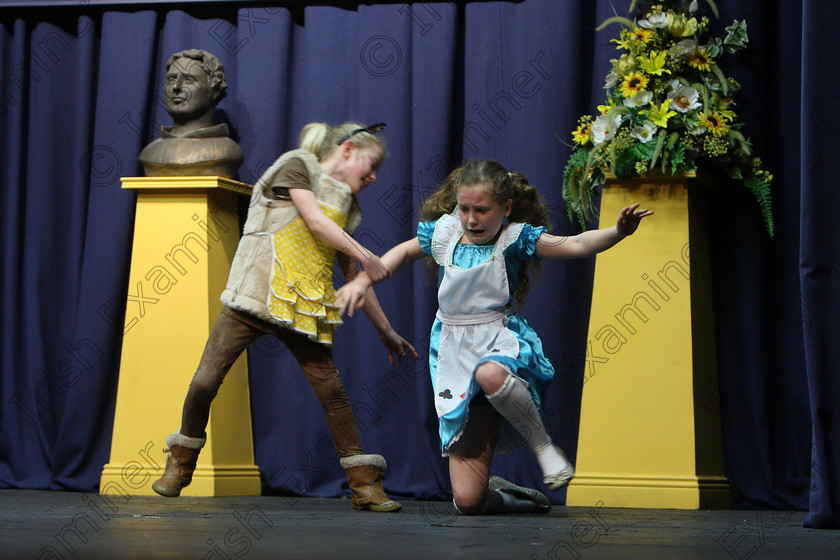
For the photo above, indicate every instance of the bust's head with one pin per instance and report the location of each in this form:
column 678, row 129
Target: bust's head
column 194, row 84
column 193, row 145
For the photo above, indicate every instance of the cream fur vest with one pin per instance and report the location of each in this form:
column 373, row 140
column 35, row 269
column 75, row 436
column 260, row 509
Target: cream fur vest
column 250, row 273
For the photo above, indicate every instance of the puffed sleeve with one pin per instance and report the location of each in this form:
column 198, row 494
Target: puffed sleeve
column 526, row 244
column 425, row 230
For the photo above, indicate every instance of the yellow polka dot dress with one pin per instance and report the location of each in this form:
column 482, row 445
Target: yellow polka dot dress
column 301, row 295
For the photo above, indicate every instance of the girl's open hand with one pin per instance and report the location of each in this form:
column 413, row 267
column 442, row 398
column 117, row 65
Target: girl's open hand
column 629, row 219
column 397, row 346
column 350, row 297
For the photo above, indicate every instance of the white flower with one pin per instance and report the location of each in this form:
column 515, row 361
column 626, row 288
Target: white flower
column 604, row 128
column 625, row 64
column 655, row 21
column 612, row 79
column 639, row 100
column 711, row 82
column 644, row 133
column 697, row 130
column 683, row 98
column 685, row 48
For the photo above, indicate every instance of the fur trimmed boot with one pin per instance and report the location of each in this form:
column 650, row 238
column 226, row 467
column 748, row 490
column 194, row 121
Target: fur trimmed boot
column 365, row 474
column 180, row 464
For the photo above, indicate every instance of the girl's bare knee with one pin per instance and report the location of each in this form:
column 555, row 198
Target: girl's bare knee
column 469, row 503
column 490, row 377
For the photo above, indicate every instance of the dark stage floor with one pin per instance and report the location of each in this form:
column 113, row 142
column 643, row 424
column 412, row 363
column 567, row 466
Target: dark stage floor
column 52, row 525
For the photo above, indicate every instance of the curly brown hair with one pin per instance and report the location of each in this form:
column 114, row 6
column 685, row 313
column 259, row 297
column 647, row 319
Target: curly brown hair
column 527, row 205
column 209, row 63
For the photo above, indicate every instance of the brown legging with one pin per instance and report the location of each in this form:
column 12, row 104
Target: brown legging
column 231, row 334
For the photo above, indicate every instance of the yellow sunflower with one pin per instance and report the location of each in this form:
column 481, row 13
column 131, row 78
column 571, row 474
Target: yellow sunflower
column 633, row 84
column 581, row 134
column 715, row 123
column 642, row 34
column 701, row 60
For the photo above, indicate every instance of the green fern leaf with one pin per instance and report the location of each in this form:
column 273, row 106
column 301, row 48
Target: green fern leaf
column 761, row 192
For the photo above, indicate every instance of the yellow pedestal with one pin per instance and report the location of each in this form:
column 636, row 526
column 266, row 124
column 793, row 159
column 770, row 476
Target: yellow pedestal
column 650, row 433
column 185, row 235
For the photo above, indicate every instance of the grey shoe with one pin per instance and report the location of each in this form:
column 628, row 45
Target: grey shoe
column 499, row 484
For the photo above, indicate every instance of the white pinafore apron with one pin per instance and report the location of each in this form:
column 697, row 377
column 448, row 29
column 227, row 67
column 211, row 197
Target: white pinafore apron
column 473, row 306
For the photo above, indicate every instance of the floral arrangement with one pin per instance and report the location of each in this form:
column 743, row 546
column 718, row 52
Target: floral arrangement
column 668, row 106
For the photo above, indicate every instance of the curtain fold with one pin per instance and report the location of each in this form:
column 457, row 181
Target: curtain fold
column 818, row 259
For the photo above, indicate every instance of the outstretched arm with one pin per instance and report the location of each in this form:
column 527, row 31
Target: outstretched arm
column 352, row 295
column 400, row 255
column 396, row 345
column 593, row 241
column 334, row 236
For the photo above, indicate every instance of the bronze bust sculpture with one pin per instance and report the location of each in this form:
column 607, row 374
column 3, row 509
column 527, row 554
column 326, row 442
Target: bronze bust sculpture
column 193, row 145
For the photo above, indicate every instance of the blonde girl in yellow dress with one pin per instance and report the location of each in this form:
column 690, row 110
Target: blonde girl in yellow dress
column 301, row 217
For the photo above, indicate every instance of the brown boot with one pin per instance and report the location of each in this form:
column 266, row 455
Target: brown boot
column 180, row 464
column 365, row 474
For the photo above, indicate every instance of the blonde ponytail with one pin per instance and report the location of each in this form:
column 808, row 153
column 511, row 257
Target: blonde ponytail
column 312, row 137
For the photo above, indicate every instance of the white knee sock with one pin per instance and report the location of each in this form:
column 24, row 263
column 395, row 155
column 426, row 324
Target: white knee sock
column 514, row 402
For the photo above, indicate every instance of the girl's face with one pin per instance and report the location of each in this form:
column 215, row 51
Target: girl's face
column 360, row 166
column 480, row 214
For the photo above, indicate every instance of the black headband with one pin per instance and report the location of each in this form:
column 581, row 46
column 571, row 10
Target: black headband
column 372, row 129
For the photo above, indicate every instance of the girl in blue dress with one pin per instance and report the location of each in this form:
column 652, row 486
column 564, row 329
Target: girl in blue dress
column 486, row 229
